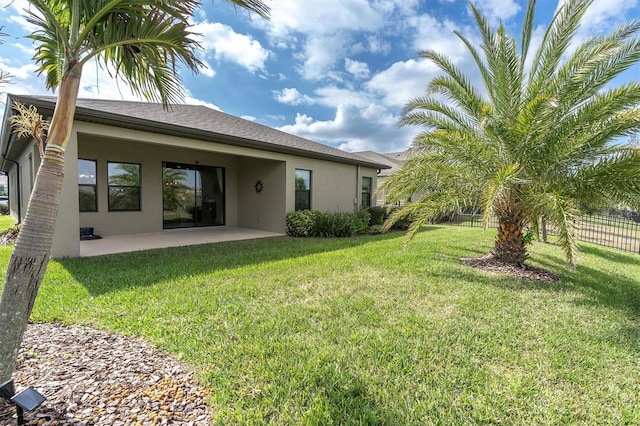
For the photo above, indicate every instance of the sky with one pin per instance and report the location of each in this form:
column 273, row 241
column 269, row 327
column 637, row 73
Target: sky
column 337, row 72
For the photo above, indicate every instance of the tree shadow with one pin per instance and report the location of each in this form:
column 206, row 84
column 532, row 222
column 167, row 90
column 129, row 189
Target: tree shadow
column 347, row 400
column 611, row 255
column 116, row 272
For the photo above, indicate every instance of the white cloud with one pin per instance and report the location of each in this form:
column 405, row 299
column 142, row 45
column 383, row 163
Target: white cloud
column 291, row 96
column 321, row 53
column 403, row 81
column 223, row 43
column 190, row 100
column 356, row 68
column 355, row 129
column 498, row 10
column 324, row 31
column 206, row 69
column 438, row 35
column 322, row 18
column 21, row 72
column 333, row 96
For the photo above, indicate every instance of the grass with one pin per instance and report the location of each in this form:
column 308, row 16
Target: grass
column 355, row 331
column 6, row 222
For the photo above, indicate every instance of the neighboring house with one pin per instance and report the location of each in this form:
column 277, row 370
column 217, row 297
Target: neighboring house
column 393, row 161
column 132, row 167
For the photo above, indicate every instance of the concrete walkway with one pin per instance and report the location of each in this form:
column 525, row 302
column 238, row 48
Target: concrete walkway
column 169, row 238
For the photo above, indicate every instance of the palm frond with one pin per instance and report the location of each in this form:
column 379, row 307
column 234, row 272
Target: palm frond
column 555, row 42
column 257, row 6
column 51, row 38
column 565, row 216
column 527, row 31
column 436, row 114
column 454, row 84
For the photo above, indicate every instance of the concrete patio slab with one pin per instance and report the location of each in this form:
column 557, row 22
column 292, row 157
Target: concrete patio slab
column 169, row 238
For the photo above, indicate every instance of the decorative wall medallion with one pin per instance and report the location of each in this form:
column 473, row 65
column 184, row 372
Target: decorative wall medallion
column 259, row 186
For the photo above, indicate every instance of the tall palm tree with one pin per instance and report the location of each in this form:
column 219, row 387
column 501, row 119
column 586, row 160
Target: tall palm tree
column 537, row 139
column 141, row 42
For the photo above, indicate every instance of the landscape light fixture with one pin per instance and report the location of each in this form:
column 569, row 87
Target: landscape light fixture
column 26, row 400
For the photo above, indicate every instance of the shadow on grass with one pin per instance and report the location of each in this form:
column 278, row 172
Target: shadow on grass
column 116, row 272
column 347, row 401
column 611, row 255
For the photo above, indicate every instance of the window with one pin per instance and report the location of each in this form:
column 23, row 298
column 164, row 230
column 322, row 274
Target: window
column 367, row 183
column 303, row 189
column 87, row 188
column 124, row 186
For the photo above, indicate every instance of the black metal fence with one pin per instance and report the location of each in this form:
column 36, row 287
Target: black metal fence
column 615, row 229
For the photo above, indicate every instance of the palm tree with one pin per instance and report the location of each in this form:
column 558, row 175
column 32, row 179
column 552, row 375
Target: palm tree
column 142, row 42
column 537, row 140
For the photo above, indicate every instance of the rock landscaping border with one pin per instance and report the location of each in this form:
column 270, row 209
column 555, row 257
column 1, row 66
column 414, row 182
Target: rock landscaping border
column 92, row 377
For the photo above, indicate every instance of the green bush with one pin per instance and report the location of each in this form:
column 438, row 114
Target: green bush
column 377, row 215
column 299, row 223
column 361, row 220
column 325, row 224
column 402, row 223
column 4, row 209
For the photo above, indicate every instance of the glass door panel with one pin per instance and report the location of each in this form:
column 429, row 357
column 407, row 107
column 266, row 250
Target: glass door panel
column 192, row 195
column 211, row 200
column 178, row 196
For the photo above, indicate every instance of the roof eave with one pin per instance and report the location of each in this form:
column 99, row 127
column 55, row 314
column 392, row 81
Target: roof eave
column 108, row 118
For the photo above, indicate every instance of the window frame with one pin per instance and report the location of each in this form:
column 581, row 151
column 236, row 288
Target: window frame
column 112, row 186
column 87, row 185
column 365, row 201
column 308, row 190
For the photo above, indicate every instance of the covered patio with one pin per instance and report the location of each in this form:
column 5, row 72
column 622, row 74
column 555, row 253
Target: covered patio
column 169, row 238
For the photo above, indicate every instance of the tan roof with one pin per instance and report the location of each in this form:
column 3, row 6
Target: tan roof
column 197, row 122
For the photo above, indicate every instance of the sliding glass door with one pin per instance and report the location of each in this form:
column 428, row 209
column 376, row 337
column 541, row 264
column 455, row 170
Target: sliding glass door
column 192, row 195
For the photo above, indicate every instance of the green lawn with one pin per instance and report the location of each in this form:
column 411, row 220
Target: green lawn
column 355, row 331
column 6, row 222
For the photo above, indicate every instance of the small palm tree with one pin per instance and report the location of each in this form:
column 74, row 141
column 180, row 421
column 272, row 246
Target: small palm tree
column 141, row 42
column 537, row 140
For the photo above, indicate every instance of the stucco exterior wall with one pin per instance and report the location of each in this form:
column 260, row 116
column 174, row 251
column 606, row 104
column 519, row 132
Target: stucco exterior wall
column 66, row 236
column 334, row 186
column 264, row 210
column 149, row 218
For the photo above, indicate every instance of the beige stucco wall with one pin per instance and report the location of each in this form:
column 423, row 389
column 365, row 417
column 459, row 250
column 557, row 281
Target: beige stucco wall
column 149, row 218
column 67, row 233
column 265, row 210
column 334, row 186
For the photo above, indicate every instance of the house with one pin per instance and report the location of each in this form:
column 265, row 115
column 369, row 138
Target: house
column 393, row 161
column 134, row 168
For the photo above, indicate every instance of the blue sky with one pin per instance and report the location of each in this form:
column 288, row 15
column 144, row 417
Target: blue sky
column 333, row 71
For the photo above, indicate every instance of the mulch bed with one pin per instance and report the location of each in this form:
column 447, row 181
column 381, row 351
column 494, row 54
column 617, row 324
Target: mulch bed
column 490, row 264
column 92, row 377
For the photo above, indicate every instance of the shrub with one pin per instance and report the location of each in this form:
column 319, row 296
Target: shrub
column 325, row 224
column 375, row 229
column 300, row 223
column 361, row 220
column 4, row 209
column 377, row 215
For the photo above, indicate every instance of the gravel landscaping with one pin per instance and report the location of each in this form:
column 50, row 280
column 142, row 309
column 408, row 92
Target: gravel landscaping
column 92, row 377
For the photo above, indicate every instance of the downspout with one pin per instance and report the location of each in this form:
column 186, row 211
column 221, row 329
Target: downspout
column 17, row 186
column 356, row 204
column 12, row 138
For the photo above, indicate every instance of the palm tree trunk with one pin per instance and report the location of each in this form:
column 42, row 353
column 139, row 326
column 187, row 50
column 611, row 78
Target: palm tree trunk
column 33, row 248
column 509, row 246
